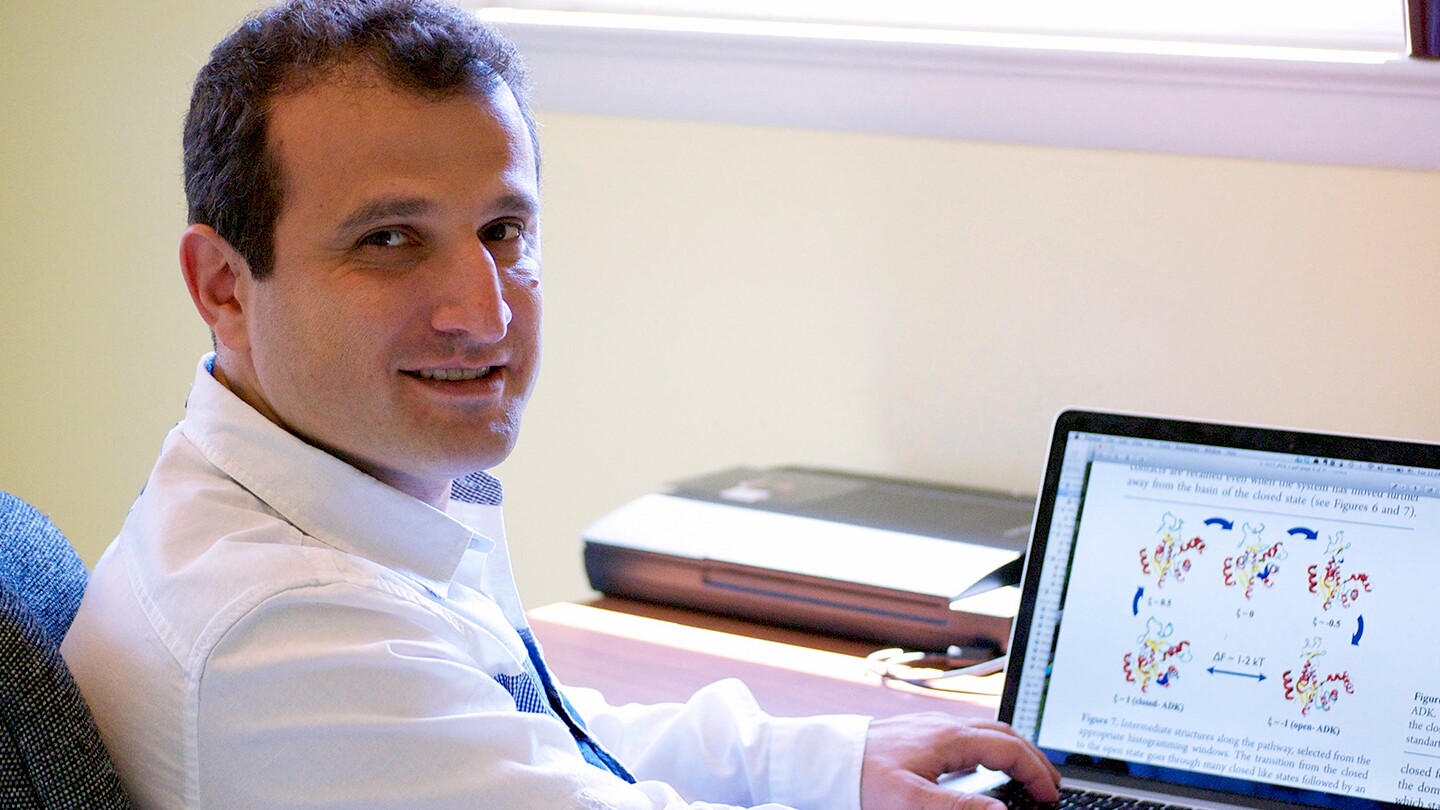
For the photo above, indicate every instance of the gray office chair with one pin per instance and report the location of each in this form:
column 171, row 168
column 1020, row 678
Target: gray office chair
column 51, row 755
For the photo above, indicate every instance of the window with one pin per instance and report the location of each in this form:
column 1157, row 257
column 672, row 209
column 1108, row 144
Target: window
column 1373, row 25
column 1323, row 80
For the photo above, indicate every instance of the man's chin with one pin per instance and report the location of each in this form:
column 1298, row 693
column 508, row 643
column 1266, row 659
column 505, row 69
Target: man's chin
column 474, row 456
column 428, row 468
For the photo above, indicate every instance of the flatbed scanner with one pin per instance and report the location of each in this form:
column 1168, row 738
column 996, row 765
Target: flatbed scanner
column 900, row 563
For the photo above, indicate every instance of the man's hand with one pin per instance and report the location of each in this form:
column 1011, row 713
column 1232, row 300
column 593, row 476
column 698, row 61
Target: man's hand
column 905, row 755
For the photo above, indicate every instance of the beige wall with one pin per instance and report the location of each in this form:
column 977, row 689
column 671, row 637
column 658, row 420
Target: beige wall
column 98, row 337
column 731, row 295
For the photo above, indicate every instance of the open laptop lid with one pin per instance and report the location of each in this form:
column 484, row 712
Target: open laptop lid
column 1236, row 609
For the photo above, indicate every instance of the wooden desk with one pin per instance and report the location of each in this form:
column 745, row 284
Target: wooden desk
column 636, row 652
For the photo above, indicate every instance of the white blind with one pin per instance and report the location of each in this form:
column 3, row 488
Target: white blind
column 1374, row 25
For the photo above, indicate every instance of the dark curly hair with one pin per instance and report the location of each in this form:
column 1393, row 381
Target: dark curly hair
column 232, row 182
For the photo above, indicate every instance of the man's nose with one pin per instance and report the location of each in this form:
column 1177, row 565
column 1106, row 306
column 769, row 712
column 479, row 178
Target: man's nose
column 470, row 298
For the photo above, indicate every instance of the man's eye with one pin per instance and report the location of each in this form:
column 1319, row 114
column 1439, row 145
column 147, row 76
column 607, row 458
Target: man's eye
column 391, row 237
column 502, row 231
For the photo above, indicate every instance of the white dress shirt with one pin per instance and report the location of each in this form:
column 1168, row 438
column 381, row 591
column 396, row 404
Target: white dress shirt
column 273, row 628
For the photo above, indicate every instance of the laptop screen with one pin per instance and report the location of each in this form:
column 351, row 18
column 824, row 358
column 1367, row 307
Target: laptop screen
column 1236, row 609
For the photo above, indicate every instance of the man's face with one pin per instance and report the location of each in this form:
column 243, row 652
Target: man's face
column 400, row 329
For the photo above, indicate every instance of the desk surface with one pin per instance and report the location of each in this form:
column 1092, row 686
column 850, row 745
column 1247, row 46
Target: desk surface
column 635, row 652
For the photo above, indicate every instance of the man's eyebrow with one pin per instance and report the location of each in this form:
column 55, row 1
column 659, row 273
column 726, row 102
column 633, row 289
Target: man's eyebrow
column 521, row 204
column 385, row 208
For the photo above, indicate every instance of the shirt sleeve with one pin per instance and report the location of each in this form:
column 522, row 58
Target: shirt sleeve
column 721, row 746
column 337, row 695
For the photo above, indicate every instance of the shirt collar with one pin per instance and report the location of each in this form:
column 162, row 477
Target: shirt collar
column 325, row 497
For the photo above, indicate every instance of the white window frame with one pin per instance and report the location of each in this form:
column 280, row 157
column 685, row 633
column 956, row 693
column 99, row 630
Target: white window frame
column 1311, row 105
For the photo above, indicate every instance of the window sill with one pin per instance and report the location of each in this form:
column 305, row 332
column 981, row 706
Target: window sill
column 1383, row 112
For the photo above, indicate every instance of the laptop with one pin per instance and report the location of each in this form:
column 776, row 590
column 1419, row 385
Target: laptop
column 1222, row 616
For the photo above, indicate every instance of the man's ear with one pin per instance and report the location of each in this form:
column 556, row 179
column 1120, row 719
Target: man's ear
column 219, row 280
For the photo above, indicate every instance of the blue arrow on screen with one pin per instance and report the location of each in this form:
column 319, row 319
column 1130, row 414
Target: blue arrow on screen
column 1258, row 676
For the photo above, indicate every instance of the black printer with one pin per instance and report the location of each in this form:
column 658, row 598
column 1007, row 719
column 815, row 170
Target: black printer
column 895, row 562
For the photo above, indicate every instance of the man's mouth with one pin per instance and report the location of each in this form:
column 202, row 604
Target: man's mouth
column 451, row 374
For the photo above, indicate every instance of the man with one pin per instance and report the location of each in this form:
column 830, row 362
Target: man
column 311, row 604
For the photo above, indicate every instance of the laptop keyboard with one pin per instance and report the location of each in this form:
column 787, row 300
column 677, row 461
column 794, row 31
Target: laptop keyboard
column 1015, row 797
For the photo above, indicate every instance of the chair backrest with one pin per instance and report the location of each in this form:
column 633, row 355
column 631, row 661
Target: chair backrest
column 40, row 566
column 51, row 755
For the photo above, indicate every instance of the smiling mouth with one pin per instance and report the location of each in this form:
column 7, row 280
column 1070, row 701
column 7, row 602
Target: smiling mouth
column 451, row 374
